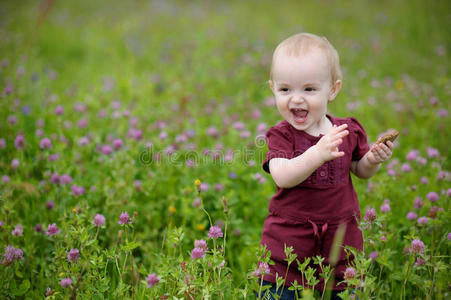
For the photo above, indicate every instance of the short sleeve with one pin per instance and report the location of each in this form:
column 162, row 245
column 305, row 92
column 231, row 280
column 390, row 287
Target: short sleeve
column 361, row 143
column 280, row 144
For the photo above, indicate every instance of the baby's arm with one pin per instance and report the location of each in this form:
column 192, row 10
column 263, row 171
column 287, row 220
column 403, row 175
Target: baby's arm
column 288, row 173
column 370, row 163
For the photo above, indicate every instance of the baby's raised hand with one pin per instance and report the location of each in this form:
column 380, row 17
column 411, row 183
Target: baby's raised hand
column 327, row 146
column 380, row 152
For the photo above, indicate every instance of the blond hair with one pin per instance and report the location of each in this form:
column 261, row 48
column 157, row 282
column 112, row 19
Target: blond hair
column 301, row 43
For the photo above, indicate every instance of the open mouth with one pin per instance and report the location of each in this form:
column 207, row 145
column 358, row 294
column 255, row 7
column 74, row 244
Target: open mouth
column 299, row 115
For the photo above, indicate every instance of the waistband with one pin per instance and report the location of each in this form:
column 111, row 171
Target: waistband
column 302, row 219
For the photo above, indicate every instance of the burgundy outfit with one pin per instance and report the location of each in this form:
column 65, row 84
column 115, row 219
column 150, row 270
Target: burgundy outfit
column 306, row 216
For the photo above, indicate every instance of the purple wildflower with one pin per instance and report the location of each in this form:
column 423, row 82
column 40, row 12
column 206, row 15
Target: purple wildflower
column 163, row 135
column 9, row 256
column 197, row 253
column 422, row 161
column 99, row 220
column 215, row 232
column 118, row 144
column 83, row 141
column 406, row 168
column 196, row 202
column 202, row 244
column 219, row 187
column 432, row 196
column 449, row 236
column 370, row 215
column 412, row 155
column 82, row 123
column 73, row 255
column 422, row 220
column 374, row 255
column 12, row 120
column 416, row 246
column 5, row 179
column 59, row 110
column 424, row 180
column 66, row 282
column 45, row 143
column 432, row 152
column 18, row 254
column 49, row 205
column 190, row 163
column 204, row 187
column 106, row 149
column 385, row 208
column 65, row 179
column 38, row 228
column 124, row 218
column 418, row 203
column 15, row 163
column 53, row 157
column 443, row 112
column 77, row 190
column 262, row 269
column 152, row 279
column 212, row 131
column 349, row 273
column 411, row 215
column 8, row 89
column 55, row 178
column 420, row 262
column 18, row 230
column 19, row 142
column 53, row 230
column 2, row 143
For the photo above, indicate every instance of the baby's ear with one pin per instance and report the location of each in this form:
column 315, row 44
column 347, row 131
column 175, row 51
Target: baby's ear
column 271, row 85
column 334, row 90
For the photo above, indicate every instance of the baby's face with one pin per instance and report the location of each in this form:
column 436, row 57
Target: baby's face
column 302, row 87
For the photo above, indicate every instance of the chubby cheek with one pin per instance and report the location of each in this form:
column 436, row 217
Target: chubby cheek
column 281, row 104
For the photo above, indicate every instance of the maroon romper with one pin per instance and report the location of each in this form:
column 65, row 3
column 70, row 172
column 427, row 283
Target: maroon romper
column 307, row 216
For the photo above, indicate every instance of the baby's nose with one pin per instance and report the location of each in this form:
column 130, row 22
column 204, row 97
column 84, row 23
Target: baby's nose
column 298, row 98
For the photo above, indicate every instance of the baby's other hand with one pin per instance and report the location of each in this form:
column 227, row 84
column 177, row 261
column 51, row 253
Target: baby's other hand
column 327, row 146
column 380, row 152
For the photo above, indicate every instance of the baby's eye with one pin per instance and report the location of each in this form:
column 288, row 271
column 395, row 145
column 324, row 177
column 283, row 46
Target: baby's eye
column 309, row 89
column 283, row 89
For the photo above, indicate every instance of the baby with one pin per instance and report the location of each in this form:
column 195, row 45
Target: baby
column 310, row 156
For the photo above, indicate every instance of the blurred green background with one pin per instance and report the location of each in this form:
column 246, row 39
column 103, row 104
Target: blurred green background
column 214, row 49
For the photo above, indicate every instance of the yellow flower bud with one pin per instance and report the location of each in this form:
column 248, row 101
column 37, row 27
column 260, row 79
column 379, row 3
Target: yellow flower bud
column 197, row 183
column 200, row 227
column 61, row 274
column 172, row 209
column 399, row 85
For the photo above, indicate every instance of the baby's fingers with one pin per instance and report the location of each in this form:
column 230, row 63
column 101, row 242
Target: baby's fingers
column 337, row 129
column 337, row 153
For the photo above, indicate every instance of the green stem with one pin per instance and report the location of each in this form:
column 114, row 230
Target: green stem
column 407, row 276
column 118, row 270
column 205, row 211
column 285, row 278
column 260, row 289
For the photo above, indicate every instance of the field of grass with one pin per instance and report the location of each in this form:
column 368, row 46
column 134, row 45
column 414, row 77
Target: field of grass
column 116, row 108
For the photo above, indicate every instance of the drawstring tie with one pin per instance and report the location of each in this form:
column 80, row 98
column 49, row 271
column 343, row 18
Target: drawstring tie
column 318, row 235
